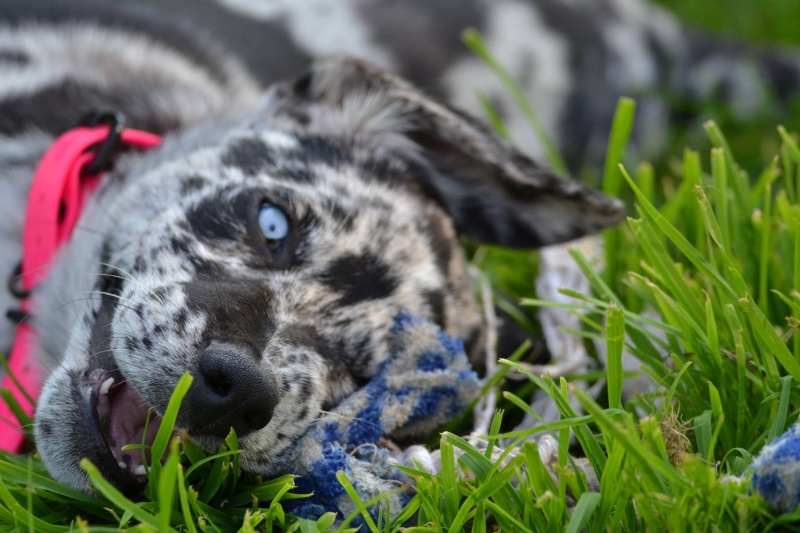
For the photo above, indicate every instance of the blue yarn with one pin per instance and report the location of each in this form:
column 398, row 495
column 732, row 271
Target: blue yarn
column 769, row 483
column 401, row 321
column 776, row 471
column 451, row 345
column 330, row 432
column 429, row 362
column 305, row 509
column 366, row 427
column 425, row 379
column 789, row 449
column 429, row 403
column 323, row 472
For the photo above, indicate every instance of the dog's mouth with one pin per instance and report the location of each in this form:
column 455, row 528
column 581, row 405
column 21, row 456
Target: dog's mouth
column 124, row 426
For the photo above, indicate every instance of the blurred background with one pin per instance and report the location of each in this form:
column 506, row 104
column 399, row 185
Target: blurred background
column 758, row 21
column 769, row 23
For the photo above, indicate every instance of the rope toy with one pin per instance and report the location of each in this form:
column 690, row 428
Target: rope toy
column 426, row 380
column 776, row 471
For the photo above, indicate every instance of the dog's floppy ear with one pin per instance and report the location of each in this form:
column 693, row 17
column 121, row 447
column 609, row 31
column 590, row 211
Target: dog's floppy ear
column 494, row 193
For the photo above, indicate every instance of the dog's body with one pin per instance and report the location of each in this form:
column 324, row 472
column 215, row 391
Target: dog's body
column 171, row 268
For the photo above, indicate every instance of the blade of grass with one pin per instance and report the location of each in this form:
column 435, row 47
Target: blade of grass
column 615, row 342
column 583, row 511
column 167, row 427
column 116, row 497
column 473, row 40
column 779, row 423
column 773, row 345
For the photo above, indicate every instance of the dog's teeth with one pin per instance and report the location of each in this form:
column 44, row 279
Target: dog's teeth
column 106, row 385
column 122, row 465
column 139, row 471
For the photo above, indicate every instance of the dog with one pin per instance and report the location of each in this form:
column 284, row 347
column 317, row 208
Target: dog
column 268, row 243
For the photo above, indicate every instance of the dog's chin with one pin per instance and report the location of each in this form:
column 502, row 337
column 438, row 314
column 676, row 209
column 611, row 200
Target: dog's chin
column 119, row 423
column 96, row 414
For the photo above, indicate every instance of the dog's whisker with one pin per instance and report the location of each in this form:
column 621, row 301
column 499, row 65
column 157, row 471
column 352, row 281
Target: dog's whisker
column 127, row 276
column 111, row 295
column 78, row 300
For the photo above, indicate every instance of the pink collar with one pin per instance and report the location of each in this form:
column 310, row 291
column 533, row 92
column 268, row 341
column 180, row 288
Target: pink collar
column 60, row 188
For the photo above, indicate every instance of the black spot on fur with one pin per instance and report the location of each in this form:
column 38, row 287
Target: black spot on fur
column 301, row 336
column 205, row 268
column 427, row 42
column 440, row 243
column 297, row 174
column 192, row 184
column 361, row 354
column 315, row 149
column 14, row 57
column 160, row 294
column 359, row 278
column 301, row 85
column 266, row 46
column 342, row 216
column 178, row 246
column 138, row 265
column 473, row 342
column 46, row 428
column 180, row 321
column 300, row 116
column 57, row 108
column 250, row 155
column 306, row 387
column 214, row 219
column 435, row 301
column 131, row 344
column 137, row 20
column 147, row 343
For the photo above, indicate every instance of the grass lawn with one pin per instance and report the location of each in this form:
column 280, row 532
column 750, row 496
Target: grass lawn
column 717, row 258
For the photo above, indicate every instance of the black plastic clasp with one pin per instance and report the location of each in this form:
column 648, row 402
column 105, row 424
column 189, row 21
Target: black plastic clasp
column 17, row 316
column 116, row 121
column 15, row 283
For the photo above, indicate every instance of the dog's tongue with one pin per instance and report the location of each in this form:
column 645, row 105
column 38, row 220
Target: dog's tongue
column 127, row 417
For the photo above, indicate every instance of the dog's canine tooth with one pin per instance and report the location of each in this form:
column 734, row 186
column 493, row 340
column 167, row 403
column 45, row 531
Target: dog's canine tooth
column 139, row 471
column 106, row 386
column 122, row 465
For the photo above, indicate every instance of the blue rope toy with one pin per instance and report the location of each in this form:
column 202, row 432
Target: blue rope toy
column 426, row 380
column 776, row 471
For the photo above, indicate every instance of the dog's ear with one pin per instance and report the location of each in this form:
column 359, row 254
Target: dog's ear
column 494, row 193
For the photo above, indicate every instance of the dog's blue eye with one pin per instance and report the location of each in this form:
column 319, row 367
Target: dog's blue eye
column 273, row 222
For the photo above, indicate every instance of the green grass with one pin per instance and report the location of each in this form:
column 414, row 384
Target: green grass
column 712, row 245
column 758, row 21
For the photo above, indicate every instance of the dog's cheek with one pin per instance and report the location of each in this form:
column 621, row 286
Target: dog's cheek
column 61, row 430
column 156, row 338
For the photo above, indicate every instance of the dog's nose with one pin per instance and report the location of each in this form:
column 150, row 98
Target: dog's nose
column 230, row 390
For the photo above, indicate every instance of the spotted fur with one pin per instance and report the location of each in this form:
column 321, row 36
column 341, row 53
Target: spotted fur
column 378, row 180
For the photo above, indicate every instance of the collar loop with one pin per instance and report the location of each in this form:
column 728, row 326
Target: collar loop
column 67, row 175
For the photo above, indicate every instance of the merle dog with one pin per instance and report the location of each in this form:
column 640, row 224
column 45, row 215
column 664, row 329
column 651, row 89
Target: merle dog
column 268, row 243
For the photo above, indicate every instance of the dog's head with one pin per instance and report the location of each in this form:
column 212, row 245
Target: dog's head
column 268, row 257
